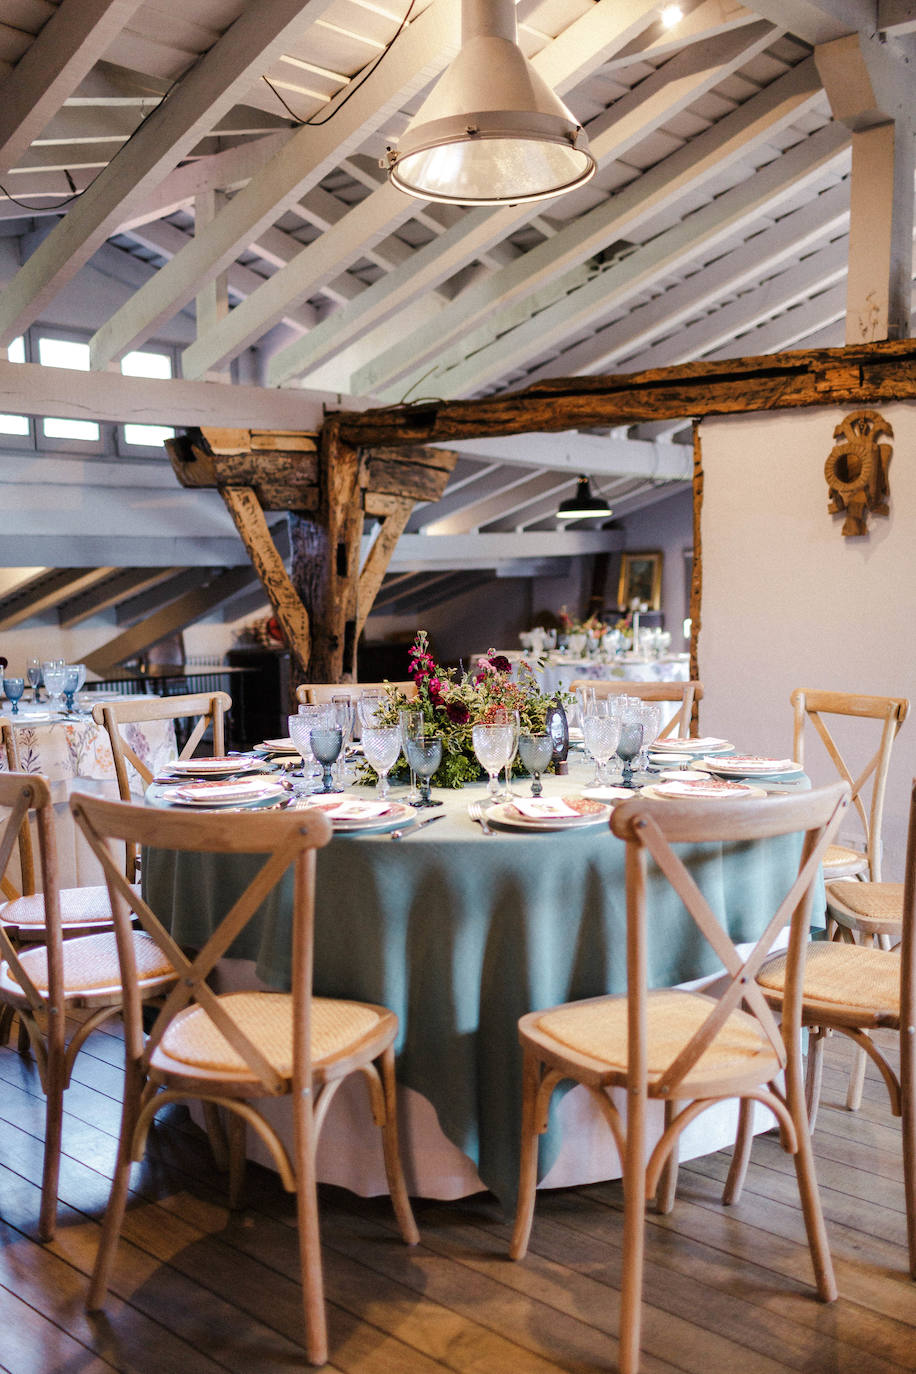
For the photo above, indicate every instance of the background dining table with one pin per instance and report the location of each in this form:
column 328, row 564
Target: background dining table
column 459, row 934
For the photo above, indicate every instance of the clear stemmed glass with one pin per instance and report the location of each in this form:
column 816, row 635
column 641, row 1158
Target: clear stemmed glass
column 300, row 727
column 327, row 742
column 368, row 704
column 424, row 754
column 515, row 725
column 382, row 748
column 492, row 745
column 535, row 752
column 14, row 687
column 601, row 734
column 651, row 715
column 53, row 673
column 33, row 673
column 411, row 725
column 628, row 746
column 344, row 713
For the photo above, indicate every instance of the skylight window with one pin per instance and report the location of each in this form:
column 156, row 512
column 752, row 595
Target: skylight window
column 142, row 363
column 15, row 424
column 71, row 354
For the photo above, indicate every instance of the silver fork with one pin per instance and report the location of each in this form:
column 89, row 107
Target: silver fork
column 477, row 812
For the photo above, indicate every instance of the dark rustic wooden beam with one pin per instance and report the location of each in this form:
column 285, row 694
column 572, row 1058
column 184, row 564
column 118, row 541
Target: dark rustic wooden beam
column 379, row 556
column 860, row 374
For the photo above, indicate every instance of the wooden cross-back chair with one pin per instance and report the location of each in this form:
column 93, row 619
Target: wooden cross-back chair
column 686, row 693
column 230, row 1050
column 116, row 718
column 688, row 1050
column 890, row 712
column 44, row 982
column 857, row 989
column 316, row 693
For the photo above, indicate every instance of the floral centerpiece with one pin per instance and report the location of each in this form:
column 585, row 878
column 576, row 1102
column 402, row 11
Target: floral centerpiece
column 453, row 705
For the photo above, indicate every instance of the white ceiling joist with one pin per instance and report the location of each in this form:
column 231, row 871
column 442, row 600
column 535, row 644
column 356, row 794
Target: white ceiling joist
column 210, row 90
column 576, row 52
column 476, row 365
column 66, row 48
column 819, row 21
column 617, row 218
column 786, row 241
column 654, row 100
column 419, row 54
column 572, row 452
column 449, row 551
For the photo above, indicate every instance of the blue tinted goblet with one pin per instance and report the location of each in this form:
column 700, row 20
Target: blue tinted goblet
column 628, row 746
column 326, row 742
column 424, row 754
column 535, row 752
column 14, row 687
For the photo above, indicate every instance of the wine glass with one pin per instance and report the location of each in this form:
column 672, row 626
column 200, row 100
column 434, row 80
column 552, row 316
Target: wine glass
column 300, row 730
column 492, row 745
column 651, row 715
column 344, row 713
column 382, row 748
column 601, row 735
column 368, row 705
column 52, row 671
column 514, row 723
column 629, row 745
column 74, row 677
column 326, row 742
column 33, row 673
column 535, row 752
column 424, row 754
column 410, row 722
column 14, row 688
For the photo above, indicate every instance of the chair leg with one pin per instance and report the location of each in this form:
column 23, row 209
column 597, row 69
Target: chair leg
column 634, row 1208
column 394, row 1169
column 667, row 1183
column 856, row 1080
column 528, row 1166
column 54, row 1114
column 216, row 1136
column 744, row 1139
column 316, row 1332
column 236, row 1136
column 6, row 1024
column 117, row 1201
column 908, row 1125
column 23, row 1043
column 803, row 1159
column 814, row 1072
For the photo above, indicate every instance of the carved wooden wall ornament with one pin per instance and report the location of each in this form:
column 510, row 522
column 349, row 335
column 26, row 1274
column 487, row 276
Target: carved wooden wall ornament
column 857, row 469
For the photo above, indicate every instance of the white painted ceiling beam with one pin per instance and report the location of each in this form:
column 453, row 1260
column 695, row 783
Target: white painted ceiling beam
column 699, row 24
column 420, row 551
column 573, row 54
column 616, row 218
column 508, row 338
column 52, row 67
column 420, row 53
column 819, row 21
column 572, row 452
column 896, row 17
column 505, row 505
column 210, row 89
column 635, row 115
column 29, row 389
column 787, row 240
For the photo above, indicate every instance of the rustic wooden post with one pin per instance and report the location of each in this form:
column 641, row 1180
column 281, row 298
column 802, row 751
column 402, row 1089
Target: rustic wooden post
column 696, row 578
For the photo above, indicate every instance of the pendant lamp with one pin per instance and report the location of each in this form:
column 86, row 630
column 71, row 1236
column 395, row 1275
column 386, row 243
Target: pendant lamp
column 583, row 506
column 492, row 132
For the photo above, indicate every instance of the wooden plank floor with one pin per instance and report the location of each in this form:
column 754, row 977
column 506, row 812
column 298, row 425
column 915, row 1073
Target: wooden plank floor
column 199, row 1289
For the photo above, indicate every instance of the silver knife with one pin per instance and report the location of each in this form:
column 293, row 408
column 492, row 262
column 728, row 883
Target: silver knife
column 417, row 825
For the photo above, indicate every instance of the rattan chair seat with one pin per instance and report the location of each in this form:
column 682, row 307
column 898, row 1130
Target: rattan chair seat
column 598, row 1029
column 848, row 975
column 91, row 963
column 266, row 1019
column 874, row 901
column 79, row 906
column 840, row 857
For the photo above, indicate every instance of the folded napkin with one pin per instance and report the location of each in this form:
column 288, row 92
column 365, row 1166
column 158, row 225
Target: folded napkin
column 543, row 808
column 350, row 809
column 688, row 746
column 238, row 788
column 754, row 763
column 712, row 788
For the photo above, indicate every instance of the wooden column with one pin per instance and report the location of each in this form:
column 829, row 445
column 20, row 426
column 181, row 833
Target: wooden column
column 696, row 577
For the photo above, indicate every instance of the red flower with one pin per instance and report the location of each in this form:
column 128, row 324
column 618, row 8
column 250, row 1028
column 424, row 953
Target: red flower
column 457, row 712
column 501, row 664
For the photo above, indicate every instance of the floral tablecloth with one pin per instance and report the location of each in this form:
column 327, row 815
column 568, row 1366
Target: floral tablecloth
column 73, row 753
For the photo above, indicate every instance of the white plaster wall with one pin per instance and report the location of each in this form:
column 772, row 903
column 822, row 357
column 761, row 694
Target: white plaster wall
column 789, row 602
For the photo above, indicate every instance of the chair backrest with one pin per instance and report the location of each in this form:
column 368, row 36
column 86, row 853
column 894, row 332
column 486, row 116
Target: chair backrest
column 315, row 693
column 209, row 707
column 26, row 886
column 684, row 692
column 650, row 829
column 22, row 793
column 891, row 712
column 286, row 839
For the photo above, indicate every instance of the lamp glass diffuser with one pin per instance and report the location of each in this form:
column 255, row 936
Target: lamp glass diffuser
column 492, row 132
column 583, row 506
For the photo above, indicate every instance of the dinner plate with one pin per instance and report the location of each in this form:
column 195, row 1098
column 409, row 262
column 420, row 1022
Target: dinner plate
column 283, row 746
column 507, row 815
column 750, row 766
column 216, row 768
column 706, row 745
column 363, row 814
column 701, row 791
column 219, row 793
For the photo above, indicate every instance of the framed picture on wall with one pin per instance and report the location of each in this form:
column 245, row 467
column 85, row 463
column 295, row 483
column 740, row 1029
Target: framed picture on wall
column 640, row 581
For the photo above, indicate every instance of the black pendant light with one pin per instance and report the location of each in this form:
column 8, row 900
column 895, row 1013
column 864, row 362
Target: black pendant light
column 583, row 506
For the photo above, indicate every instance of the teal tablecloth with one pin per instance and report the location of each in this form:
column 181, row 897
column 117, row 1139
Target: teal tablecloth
column 460, row 934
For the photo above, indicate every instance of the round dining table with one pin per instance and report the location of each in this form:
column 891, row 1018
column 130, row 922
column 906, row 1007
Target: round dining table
column 460, row 933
